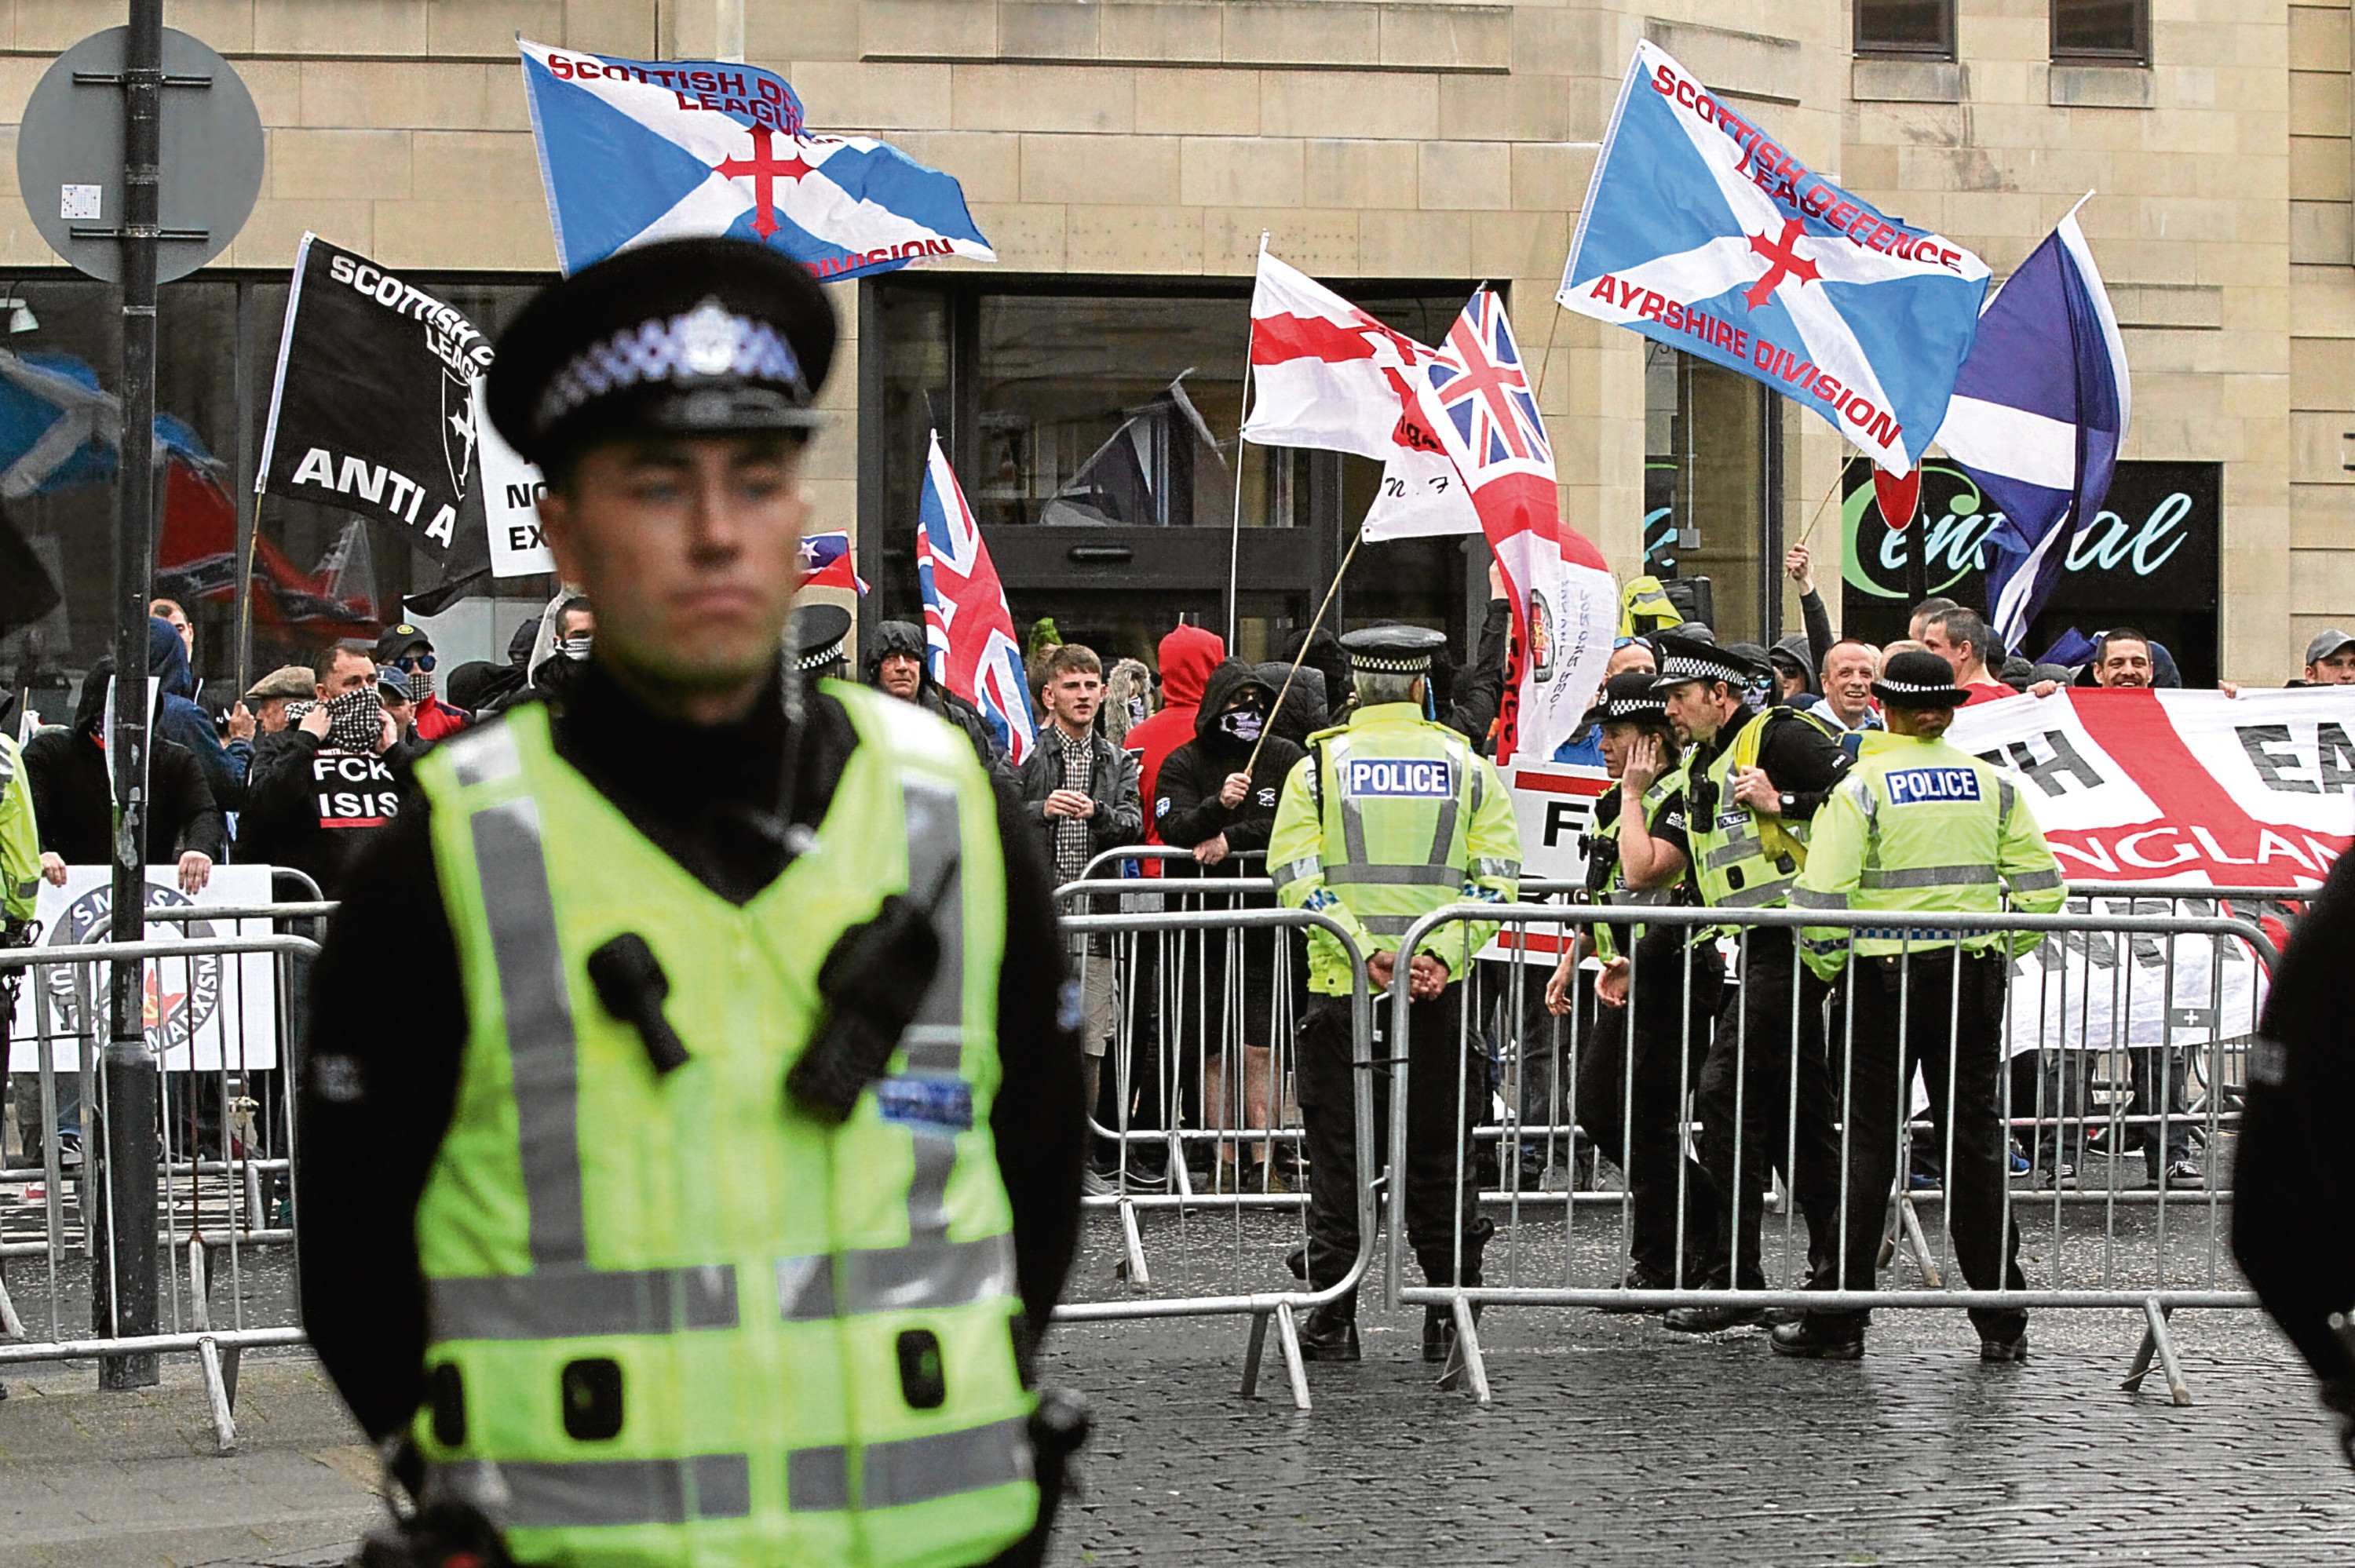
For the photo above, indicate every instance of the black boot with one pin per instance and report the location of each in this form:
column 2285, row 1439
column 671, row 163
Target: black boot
column 1439, row 1331
column 1819, row 1338
column 1710, row 1319
column 1329, row 1334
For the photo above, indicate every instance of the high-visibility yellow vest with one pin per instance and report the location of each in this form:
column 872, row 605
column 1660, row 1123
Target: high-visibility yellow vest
column 1614, row 889
column 1742, row 860
column 1922, row 825
column 686, row 1321
column 1402, row 818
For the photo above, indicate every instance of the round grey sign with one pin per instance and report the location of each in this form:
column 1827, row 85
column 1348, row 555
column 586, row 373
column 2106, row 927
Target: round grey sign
column 70, row 156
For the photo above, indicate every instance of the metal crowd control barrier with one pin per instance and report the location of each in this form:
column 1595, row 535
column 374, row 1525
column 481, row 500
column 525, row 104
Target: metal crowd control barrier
column 224, row 1147
column 1171, row 1009
column 1761, row 1079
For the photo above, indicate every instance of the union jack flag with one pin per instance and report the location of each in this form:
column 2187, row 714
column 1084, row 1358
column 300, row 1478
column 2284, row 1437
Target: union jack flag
column 826, row 562
column 1480, row 387
column 968, row 631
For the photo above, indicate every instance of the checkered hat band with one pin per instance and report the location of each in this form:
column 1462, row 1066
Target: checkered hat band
column 1622, row 706
column 697, row 345
column 1917, row 687
column 1686, row 667
column 820, row 659
column 1378, row 665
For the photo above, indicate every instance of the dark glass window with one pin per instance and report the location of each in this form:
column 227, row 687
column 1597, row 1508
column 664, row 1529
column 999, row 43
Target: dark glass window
column 216, row 350
column 2101, row 32
column 1908, row 29
column 1713, row 489
column 1095, row 431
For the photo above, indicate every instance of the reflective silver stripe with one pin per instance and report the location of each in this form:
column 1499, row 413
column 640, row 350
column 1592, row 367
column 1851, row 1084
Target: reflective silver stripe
column 1442, row 839
column 1928, row 876
column 1809, row 898
column 936, row 859
column 537, row 1009
column 1741, row 846
column 1752, row 897
column 485, row 754
column 1307, row 865
column 564, row 1304
column 1388, row 925
column 558, row 1495
column 1391, row 877
column 934, row 1047
column 1493, row 865
column 921, row 1276
column 1353, row 820
column 912, row 1470
column 2005, row 794
column 2036, row 881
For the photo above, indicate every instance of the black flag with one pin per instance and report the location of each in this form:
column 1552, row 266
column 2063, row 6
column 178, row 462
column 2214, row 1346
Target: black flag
column 26, row 591
column 372, row 409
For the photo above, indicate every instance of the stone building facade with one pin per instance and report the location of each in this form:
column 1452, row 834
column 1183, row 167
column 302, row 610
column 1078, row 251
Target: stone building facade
column 1125, row 158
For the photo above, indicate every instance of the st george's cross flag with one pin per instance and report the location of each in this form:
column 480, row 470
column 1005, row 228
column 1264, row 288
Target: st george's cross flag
column 1328, row 375
column 1475, row 398
column 2040, row 412
column 968, row 631
column 1701, row 233
column 636, row 151
column 826, row 562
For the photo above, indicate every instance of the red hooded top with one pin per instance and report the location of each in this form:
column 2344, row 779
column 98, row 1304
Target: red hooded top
column 1187, row 656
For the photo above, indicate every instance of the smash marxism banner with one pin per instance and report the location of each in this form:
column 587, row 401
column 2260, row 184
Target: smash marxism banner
column 2196, row 788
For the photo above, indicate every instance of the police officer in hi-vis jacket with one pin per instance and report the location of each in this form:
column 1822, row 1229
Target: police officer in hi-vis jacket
column 700, row 1189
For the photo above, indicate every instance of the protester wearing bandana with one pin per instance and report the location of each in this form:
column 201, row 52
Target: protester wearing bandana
column 331, row 781
column 410, row 651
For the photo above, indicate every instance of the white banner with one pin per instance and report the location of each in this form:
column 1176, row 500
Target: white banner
column 1554, row 805
column 202, row 1012
column 2194, row 790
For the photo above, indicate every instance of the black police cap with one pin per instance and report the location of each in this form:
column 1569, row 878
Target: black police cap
column 1917, row 678
column 818, row 633
column 1628, row 698
column 1392, row 649
column 1685, row 658
column 704, row 336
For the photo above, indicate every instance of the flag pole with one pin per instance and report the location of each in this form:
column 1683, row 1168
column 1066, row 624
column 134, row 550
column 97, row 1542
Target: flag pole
column 1235, row 532
column 1839, row 472
column 1314, row 621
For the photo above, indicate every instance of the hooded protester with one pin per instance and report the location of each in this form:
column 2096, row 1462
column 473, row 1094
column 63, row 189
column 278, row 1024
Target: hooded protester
column 181, row 720
column 1205, row 801
column 73, row 795
column 896, row 666
column 1300, row 706
column 1188, row 654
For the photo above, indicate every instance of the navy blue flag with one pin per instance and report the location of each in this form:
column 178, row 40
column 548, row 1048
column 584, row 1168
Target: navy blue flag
column 2038, row 414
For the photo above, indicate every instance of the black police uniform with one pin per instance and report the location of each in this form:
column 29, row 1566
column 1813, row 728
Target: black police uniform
column 1635, row 1067
column 1770, row 1048
column 2293, row 1176
column 722, row 801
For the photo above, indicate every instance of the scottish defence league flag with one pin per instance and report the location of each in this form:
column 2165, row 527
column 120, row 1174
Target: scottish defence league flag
column 2039, row 411
column 636, row 151
column 968, row 631
column 1702, row 234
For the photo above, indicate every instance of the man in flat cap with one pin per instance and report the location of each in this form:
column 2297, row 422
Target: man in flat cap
column 1920, row 825
column 1389, row 817
column 703, row 1194
column 1752, row 782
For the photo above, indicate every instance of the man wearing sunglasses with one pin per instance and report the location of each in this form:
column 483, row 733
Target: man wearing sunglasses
column 410, row 651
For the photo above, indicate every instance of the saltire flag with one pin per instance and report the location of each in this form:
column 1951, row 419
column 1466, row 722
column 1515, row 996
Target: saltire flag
column 826, row 562
column 1327, row 375
column 1701, row 233
column 968, row 633
column 636, row 151
column 2040, row 412
column 1476, row 400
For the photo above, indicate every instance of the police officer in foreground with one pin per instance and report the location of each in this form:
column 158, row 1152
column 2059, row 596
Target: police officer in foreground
column 2293, row 1174
column 701, row 1193
column 1389, row 817
column 1753, row 781
column 1920, row 825
column 1634, row 1073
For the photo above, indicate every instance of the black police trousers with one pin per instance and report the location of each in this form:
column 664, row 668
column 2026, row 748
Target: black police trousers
column 1945, row 1015
column 1770, row 1047
column 1447, row 1092
column 1634, row 1073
